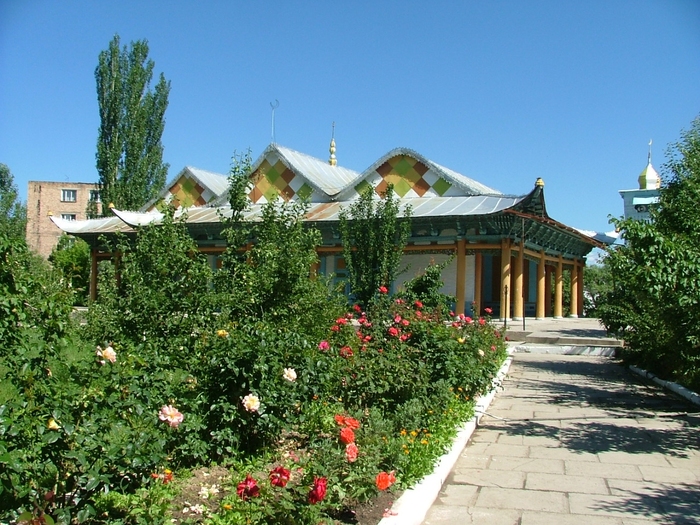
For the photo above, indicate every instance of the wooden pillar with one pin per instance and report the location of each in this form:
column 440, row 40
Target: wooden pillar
column 505, row 280
column 461, row 291
column 580, row 288
column 518, row 306
column 478, row 269
column 548, row 291
column 574, row 290
column 93, row 275
column 539, row 309
column 558, row 287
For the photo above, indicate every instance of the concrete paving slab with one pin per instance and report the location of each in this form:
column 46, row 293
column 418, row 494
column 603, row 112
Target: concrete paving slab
column 460, row 495
column 613, row 506
column 470, row 462
column 496, row 449
column 614, row 471
column 440, row 515
column 549, row 518
column 498, row 498
column 562, row 453
column 551, row 466
column 564, row 483
column 653, row 459
column 667, row 474
column 490, row 478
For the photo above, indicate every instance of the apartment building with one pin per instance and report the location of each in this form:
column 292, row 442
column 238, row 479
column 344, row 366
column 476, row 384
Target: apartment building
column 67, row 200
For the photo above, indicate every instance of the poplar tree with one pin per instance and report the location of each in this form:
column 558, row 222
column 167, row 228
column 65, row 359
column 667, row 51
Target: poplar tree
column 132, row 118
column 13, row 214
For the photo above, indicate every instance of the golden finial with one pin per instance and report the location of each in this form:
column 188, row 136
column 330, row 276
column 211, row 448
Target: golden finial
column 539, row 182
column 332, row 161
column 50, row 214
column 111, row 205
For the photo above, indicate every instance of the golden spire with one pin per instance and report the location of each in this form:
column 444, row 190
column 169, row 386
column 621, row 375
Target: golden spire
column 332, row 160
column 649, row 179
column 539, row 182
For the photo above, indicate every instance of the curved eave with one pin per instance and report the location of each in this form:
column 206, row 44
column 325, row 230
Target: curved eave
column 135, row 219
column 546, row 221
column 92, row 226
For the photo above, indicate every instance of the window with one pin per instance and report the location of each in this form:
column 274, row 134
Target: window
column 94, row 195
column 68, row 216
column 69, row 195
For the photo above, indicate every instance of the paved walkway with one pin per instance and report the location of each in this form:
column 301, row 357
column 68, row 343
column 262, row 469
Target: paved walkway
column 576, row 440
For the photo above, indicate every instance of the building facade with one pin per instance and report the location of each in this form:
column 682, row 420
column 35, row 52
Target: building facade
column 638, row 203
column 506, row 253
column 65, row 200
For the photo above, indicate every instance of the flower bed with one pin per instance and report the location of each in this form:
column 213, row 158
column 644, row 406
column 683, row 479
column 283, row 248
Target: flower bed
column 296, row 409
column 306, row 429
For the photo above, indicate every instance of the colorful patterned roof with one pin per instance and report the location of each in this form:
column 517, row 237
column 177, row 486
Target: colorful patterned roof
column 413, row 175
column 289, row 174
column 191, row 187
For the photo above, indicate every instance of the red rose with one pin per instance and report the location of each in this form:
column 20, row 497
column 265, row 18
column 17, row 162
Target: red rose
column 488, row 310
column 385, row 480
column 418, row 304
column 318, row 490
column 347, row 435
column 346, row 421
column 248, row 488
column 382, row 289
column 393, row 332
column 482, row 321
column 279, row 476
column 346, row 351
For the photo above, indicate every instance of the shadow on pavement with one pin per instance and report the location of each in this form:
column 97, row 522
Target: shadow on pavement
column 608, row 396
column 678, row 504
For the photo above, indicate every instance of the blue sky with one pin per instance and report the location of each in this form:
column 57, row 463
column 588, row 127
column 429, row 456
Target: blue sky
column 501, row 91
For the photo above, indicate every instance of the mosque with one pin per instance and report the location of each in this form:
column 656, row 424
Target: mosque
column 505, row 252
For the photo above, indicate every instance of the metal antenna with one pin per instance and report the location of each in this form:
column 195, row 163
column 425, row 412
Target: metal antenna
column 274, row 105
column 649, row 158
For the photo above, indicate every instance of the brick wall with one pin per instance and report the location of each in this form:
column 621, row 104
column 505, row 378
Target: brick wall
column 56, row 198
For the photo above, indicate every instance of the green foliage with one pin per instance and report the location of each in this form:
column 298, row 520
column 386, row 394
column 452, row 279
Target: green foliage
column 373, row 240
column 158, row 292
column 654, row 303
column 262, row 361
column 71, row 257
column 132, row 117
column 426, row 288
column 13, row 214
column 597, row 283
column 267, row 264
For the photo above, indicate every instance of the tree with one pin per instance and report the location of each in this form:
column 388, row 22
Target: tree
column 654, row 303
column 71, row 257
column 13, row 214
column 132, row 117
column 373, row 241
column 596, row 284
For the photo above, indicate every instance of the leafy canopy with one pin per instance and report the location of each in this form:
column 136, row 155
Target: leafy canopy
column 132, row 118
column 655, row 298
column 13, row 214
column 373, row 240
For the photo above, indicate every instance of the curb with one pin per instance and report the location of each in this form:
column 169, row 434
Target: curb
column 414, row 504
column 566, row 349
column 673, row 387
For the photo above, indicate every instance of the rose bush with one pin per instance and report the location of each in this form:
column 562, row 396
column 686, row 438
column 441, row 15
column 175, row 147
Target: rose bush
column 312, row 405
